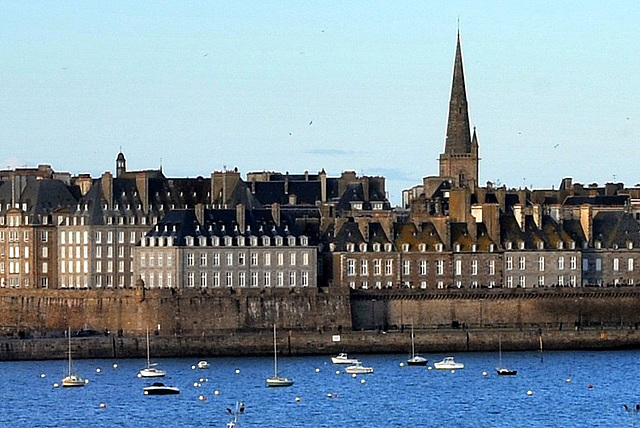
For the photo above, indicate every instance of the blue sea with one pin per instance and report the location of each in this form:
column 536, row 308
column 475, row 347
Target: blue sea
column 568, row 389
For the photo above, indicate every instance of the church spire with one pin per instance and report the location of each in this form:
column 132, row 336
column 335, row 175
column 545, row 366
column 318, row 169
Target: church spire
column 458, row 140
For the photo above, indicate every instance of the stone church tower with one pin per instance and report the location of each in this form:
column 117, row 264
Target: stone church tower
column 459, row 162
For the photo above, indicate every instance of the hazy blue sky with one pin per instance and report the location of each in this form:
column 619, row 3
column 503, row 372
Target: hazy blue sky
column 553, row 87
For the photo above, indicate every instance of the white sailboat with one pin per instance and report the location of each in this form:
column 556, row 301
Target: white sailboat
column 150, row 370
column 276, row 380
column 72, row 379
column 415, row 360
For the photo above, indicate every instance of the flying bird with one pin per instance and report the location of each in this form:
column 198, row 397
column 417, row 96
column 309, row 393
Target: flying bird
column 311, row 123
column 556, row 145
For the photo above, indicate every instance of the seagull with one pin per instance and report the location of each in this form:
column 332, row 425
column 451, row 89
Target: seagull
column 310, row 123
column 206, row 54
column 556, row 145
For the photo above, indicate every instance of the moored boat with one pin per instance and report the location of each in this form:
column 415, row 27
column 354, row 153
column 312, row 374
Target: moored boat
column 150, row 369
column 72, row 379
column 203, row 364
column 343, row 358
column 358, row 368
column 448, row 364
column 277, row 380
column 159, row 388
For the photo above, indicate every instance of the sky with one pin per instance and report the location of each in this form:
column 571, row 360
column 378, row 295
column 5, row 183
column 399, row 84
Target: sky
column 553, row 87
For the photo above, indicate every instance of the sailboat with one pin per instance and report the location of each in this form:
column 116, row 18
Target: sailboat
column 276, row 380
column 415, row 360
column 150, row 370
column 71, row 379
column 502, row 371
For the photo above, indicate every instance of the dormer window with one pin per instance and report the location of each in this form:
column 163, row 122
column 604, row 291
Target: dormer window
column 630, row 245
column 189, row 240
column 572, row 245
column 377, row 206
column 304, row 241
column 491, row 248
column 266, row 241
column 474, row 248
column 278, row 241
column 202, row 241
column 291, row 241
column 439, row 247
column 540, row 245
column 215, row 241
column 356, row 205
column 598, row 245
column 521, row 245
column 422, row 247
column 351, row 248
column 363, row 247
column 405, row 248
column 240, row 241
column 228, row 241
column 376, row 247
column 253, row 241
column 457, row 248
column 560, row 245
column 387, row 247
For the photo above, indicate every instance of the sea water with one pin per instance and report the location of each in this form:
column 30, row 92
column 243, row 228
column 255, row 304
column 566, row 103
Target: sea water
column 563, row 389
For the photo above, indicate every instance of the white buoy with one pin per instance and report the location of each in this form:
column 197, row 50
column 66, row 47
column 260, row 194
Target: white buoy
column 362, row 381
column 429, row 368
column 98, row 370
column 569, row 380
column 354, row 375
column 139, row 376
column 329, row 395
column 453, row 371
column 298, row 399
column 115, row 366
column 485, row 374
column 529, row 392
column 195, row 384
column 201, row 379
column 317, row 370
column 103, row 406
column 86, row 381
column 237, row 371
column 337, row 371
column 202, row 398
column 216, row 392
column 43, row 375
column 401, row 364
column 193, row 367
column 55, row 385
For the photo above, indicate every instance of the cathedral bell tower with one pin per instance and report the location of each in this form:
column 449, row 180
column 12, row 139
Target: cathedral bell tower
column 459, row 162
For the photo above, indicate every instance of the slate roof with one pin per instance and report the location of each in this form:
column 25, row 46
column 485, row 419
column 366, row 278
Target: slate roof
column 616, row 229
column 42, row 197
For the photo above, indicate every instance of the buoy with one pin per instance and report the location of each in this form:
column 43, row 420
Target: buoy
column 86, row 381
column 98, row 370
column 568, row 380
column 337, row 371
column 146, row 392
column 216, row 392
column 55, row 385
column 429, row 368
column 103, row 406
column 237, row 371
column 115, row 366
column 589, row 386
column 297, row 398
column 317, row 370
column 363, row 381
column 484, row 373
column 401, row 364
column 353, row 375
column 329, row 395
column 202, row 398
column 193, row 367
column 453, row 371
column 195, row 384
column 43, row 375
column 529, row 392
column 202, row 380
column 139, row 376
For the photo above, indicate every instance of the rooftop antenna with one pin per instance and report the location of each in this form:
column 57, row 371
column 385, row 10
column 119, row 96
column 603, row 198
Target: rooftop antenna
column 160, row 164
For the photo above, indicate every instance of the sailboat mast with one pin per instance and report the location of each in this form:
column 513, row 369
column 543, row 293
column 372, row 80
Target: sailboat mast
column 148, row 356
column 69, row 337
column 500, row 350
column 413, row 348
column 275, row 353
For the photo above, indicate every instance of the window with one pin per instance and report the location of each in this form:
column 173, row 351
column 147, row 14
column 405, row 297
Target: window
column 203, row 259
column 292, row 279
column 216, row 279
column 541, row 281
column 560, row 263
column 229, row 279
column 190, row 279
column 598, row 265
column 267, row 259
column 292, row 259
column 521, row 263
column 254, row 259
column 120, row 237
column 229, row 259
column 279, row 279
column 492, row 267
column 541, row 263
column 305, row 259
column 132, row 238
column 98, row 238
column 422, row 266
column 406, row 267
column 509, row 263
column 44, row 236
column 630, row 265
column 190, row 259
column 351, row 267
column 267, row 279
column 616, row 264
column 45, row 267
column 585, row 265
column 241, row 279
column 254, row 279
column 241, row 259
column 377, row 267
column 440, row 267
column 388, row 267
column 364, row 267
column 280, row 259
column 458, row 267
column 510, row 282
column 216, row 259
column 522, row 281
column 109, row 238
column 474, row 267
column 561, row 281
column 304, row 280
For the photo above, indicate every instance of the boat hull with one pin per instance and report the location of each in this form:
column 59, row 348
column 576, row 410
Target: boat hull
column 72, row 383
column 160, row 390
column 279, row 382
column 417, row 361
column 506, row 372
